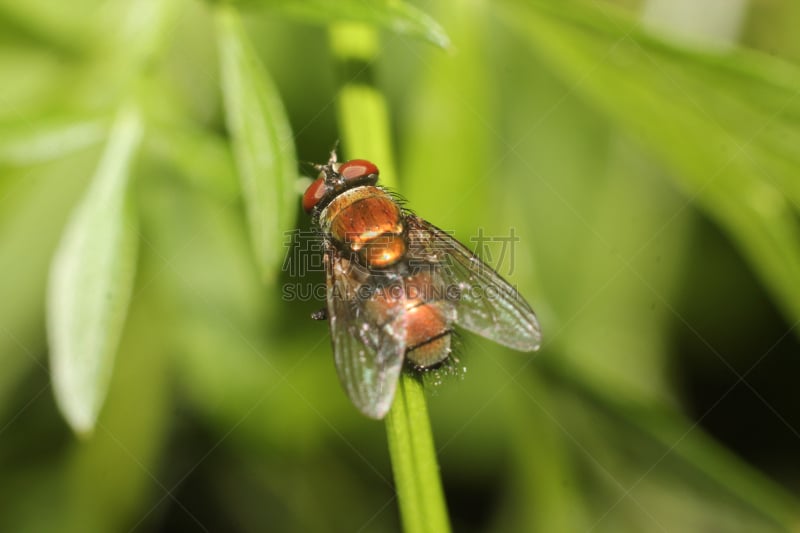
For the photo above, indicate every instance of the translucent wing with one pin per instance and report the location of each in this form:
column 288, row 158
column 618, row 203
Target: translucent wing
column 368, row 344
column 485, row 303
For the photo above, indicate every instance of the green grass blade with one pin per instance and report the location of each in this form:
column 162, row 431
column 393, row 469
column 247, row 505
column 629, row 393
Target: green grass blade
column 91, row 279
column 262, row 142
column 367, row 139
column 414, row 464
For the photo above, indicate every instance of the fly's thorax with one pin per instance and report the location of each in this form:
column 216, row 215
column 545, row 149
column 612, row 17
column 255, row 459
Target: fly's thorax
column 367, row 221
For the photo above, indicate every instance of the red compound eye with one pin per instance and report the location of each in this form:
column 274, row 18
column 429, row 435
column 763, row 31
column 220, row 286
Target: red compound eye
column 314, row 194
column 358, row 168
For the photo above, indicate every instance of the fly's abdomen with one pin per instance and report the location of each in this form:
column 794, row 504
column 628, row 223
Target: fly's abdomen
column 411, row 305
column 428, row 319
column 428, row 334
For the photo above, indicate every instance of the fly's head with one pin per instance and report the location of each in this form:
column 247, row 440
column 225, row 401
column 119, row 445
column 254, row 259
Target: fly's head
column 334, row 178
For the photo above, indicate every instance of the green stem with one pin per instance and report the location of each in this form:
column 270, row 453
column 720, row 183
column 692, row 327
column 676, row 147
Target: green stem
column 364, row 120
column 416, row 471
column 361, row 108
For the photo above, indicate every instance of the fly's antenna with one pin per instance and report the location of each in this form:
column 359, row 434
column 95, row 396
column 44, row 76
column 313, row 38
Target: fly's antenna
column 330, row 168
column 310, row 164
column 333, row 158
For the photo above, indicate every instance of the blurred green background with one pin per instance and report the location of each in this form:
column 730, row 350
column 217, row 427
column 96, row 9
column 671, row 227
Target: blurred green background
column 645, row 153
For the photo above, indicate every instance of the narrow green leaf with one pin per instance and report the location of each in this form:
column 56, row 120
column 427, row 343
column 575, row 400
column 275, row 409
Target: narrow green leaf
column 91, row 280
column 34, row 201
column 358, row 43
column 393, row 15
column 262, row 142
column 414, row 464
column 132, row 430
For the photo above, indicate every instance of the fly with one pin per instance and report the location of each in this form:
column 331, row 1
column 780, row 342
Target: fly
column 396, row 285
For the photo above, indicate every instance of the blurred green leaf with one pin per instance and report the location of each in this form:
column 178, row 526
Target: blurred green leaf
column 112, row 480
column 611, row 321
column 448, row 109
column 42, row 84
column 656, row 468
column 393, row 15
column 546, row 493
column 230, row 362
column 361, row 107
column 204, row 159
column 29, row 143
column 262, row 142
column 348, row 504
column 712, row 118
column 721, row 123
column 131, row 434
column 133, row 34
column 53, row 26
column 91, row 279
column 33, row 201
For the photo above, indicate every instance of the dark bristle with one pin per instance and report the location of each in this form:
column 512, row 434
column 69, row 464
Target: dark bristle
column 396, row 196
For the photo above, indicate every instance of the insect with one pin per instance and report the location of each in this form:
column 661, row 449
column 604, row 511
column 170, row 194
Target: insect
column 396, row 285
